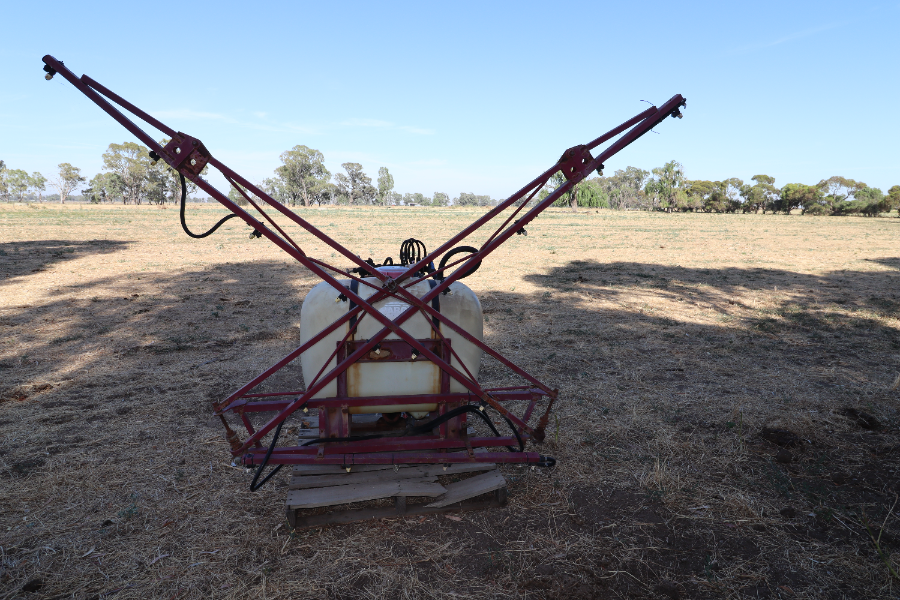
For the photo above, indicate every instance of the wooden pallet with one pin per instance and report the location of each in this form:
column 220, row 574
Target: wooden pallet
column 316, row 486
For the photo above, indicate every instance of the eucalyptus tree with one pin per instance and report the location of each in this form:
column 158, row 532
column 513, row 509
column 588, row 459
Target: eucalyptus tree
column 705, row 192
column 869, row 201
column 326, row 192
column 67, row 179
column 731, row 187
column 718, row 196
column 105, row 187
column 17, row 182
column 892, row 199
column 302, row 174
column 469, row 199
column 798, row 195
column 38, row 184
column 837, row 190
column 667, row 186
column 132, row 163
column 761, row 195
column 385, row 186
column 355, row 185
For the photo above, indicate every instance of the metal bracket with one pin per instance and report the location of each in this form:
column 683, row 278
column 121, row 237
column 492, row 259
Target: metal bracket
column 573, row 161
column 187, row 154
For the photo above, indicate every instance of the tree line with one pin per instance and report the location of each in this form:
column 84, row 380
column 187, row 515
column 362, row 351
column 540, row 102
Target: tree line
column 667, row 189
column 130, row 176
column 16, row 184
column 303, row 179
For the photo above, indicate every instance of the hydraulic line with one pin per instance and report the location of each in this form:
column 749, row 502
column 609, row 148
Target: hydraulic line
column 426, row 427
column 253, row 486
column 184, row 224
column 453, row 252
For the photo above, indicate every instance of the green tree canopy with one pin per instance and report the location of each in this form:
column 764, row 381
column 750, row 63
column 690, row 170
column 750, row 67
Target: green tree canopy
column 303, row 176
column 385, row 186
column 797, row 195
column 67, row 179
column 717, row 196
column 355, row 185
column 18, row 183
column 106, row 187
column 837, row 190
column 667, row 187
column 761, row 195
column 868, row 201
column 699, row 192
column 131, row 162
column 38, row 184
column 590, row 193
column 469, row 199
column 892, row 199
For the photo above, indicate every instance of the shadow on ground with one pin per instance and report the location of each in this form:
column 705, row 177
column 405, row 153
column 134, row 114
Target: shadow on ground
column 20, row 259
column 664, row 486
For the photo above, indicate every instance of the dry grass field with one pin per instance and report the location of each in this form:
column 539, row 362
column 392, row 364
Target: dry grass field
column 727, row 424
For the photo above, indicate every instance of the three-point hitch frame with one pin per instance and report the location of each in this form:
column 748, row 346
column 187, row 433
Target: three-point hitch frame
column 444, row 437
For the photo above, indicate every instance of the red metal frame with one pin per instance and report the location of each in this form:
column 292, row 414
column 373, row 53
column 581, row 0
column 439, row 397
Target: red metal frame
column 449, row 442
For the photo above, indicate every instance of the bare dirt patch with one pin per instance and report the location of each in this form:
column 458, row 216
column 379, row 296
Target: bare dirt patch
column 727, row 424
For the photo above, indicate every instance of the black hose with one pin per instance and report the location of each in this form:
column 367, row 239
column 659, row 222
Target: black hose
column 425, row 428
column 515, row 432
column 545, row 461
column 412, row 251
column 253, row 486
column 184, row 224
column 446, row 258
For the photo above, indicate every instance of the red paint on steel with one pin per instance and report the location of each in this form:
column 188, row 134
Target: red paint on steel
column 189, row 156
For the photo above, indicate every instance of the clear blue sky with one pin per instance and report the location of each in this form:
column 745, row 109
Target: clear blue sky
column 476, row 97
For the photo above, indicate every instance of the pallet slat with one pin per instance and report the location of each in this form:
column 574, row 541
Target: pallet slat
column 412, row 472
column 344, row 494
column 337, row 469
column 298, row 521
column 469, row 488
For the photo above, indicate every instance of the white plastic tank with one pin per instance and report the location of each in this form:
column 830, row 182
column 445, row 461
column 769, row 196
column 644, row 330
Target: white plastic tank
column 322, row 307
